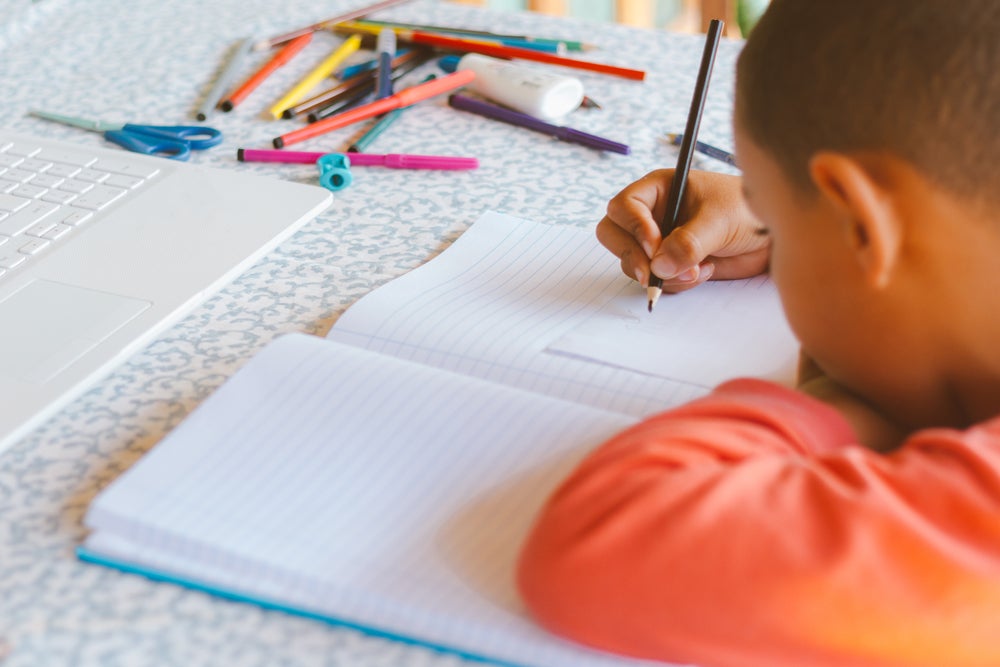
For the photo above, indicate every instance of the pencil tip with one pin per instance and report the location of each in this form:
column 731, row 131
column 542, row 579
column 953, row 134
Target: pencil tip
column 226, row 106
column 201, row 116
column 239, row 154
column 278, row 142
column 650, row 306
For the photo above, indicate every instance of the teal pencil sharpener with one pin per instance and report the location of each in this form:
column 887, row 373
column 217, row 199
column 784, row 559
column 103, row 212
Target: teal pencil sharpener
column 334, row 171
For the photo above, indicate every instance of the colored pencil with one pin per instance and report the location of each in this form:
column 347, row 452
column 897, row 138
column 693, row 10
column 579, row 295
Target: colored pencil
column 569, row 45
column 280, row 58
column 487, row 49
column 214, row 96
column 401, row 99
column 309, row 29
column 320, row 72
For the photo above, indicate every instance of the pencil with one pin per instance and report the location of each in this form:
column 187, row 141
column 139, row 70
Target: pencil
column 498, row 51
column 279, row 59
column 705, row 149
column 320, row 72
column 225, row 78
column 403, row 98
column 671, row 218
column 567, row 44
column 308, row 30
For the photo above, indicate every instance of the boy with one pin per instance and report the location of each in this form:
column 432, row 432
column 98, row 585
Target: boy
column 758, row 525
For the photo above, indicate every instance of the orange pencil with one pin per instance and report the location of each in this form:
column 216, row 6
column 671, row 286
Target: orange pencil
column 403, row 98
column 280, row 58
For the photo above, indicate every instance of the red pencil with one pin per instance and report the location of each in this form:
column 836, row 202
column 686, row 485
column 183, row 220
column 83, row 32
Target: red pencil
column 280, row 58
column 403, row 98
column 486, row 49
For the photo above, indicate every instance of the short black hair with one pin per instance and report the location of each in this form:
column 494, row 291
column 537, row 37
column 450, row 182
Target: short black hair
column 917, row 78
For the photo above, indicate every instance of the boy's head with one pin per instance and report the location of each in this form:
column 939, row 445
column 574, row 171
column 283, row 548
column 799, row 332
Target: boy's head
column 917, row 78
column 866, row 133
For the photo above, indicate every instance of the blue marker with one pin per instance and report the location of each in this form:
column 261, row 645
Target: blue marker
column 706, row 149
column 386, row 50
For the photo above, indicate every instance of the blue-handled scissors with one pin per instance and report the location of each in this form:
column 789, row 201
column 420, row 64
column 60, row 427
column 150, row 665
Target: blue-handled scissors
column 172, row 141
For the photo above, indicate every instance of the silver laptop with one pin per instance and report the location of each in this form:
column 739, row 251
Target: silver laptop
column 100, row 249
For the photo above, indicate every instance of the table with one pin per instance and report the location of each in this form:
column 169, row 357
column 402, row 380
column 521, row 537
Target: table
column 151, row 61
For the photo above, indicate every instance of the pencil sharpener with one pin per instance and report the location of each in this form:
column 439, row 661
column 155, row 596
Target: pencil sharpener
column 334, row 171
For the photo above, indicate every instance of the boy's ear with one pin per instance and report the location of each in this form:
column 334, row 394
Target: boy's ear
column 865, row 207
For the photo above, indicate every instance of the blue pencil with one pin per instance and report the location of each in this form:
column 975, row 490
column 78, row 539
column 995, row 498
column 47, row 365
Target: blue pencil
column 705, row 149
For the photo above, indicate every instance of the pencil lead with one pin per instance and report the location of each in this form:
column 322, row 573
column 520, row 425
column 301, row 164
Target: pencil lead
column 650, row 306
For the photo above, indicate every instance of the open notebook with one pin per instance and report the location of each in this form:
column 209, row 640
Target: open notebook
column 384, row 478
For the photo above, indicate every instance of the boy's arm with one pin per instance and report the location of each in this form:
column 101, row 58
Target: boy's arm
column 746, row 529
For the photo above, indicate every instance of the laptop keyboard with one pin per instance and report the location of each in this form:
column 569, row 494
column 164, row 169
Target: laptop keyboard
column 46, row 194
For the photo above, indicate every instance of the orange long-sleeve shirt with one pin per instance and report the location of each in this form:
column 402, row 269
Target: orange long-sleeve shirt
column 748, row 529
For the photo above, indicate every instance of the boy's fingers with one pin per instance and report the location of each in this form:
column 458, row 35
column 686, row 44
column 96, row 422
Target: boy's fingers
column 635, row 263
column 690, row 244
column 690, row 278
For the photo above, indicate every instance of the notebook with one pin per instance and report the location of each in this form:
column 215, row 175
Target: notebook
column 101, row 249
column 384, row 477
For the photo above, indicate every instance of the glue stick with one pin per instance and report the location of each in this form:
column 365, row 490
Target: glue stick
column 532, row 91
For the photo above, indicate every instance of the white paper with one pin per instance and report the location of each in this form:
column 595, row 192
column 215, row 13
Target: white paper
column 707, row 335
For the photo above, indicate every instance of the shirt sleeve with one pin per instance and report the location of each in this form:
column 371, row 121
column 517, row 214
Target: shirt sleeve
column 747, row 528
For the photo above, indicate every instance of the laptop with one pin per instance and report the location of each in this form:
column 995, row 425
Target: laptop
column 101, row 249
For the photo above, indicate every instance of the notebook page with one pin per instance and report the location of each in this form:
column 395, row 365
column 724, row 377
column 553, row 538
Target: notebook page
column 747, row 314
column 491, row 304
column 359, row 487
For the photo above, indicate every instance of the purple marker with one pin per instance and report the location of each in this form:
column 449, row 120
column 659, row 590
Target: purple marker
column 524, row 120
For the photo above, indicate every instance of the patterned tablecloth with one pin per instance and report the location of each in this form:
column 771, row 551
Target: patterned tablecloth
column 151, row 61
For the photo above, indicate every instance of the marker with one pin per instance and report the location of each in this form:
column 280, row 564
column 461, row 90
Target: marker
column 214, row 96
column 401, row 65
column 391, row 160
column 530, row 122
column 403, row 98
column 671, row 217
column 321, row 71
column 487, row 49
column 366, row 66
column 705, row 149
column 280, row 58
column 383, row 73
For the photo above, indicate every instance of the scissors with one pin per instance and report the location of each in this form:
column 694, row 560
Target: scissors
column 172, row 141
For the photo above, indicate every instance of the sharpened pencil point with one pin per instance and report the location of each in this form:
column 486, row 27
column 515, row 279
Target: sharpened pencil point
column 650, row 306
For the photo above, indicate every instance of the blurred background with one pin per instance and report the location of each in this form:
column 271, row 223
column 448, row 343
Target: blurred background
column 675, row 15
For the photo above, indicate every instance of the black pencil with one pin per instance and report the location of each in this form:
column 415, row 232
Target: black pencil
column 671, row 217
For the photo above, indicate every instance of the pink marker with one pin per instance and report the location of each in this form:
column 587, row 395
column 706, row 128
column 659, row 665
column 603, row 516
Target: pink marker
column 391, row 160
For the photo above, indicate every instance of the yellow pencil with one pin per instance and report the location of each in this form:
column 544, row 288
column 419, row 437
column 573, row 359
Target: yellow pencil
column 323, row 70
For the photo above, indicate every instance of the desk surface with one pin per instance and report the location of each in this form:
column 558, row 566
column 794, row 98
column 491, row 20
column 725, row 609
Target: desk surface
column 151, row 61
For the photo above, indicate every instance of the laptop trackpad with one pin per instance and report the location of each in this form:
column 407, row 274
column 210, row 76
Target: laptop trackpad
column 45, row 326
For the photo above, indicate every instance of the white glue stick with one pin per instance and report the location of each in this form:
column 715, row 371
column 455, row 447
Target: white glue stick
column 532, row 91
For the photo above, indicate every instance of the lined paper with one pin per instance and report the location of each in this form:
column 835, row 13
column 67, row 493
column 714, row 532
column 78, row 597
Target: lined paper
column 492, row 303
column 361, row 487
column 717, row 332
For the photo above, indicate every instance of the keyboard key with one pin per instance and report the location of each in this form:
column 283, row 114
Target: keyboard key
column 92, row 175
column 127, row 168
column 46, row 181
column 66, row 157
column 33, row 247
column 64, row 170
column 99, row 197
column 10, row 160
column 127, row 182
column 10, row 257
column 24, row 150
column 73, row 216
column 4, row 239
column 40, row 229
column 11, row 203
column 7, row 186
column 37, row 166
column 28, row 190
column 19, row 175
column 58, row 232
column 59, row 196
column 15, row 223
column 73, row 185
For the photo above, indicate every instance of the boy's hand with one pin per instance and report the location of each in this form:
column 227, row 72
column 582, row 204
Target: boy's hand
column 720, row 238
